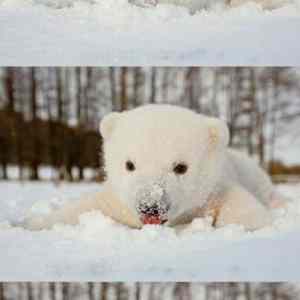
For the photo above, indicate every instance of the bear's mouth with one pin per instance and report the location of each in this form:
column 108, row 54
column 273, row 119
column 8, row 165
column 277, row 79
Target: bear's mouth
column 153, row 219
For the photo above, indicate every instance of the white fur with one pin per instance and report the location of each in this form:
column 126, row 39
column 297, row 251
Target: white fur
column 219, row 181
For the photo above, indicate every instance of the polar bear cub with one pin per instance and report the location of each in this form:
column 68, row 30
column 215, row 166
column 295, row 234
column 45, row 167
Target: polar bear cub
column 167, row 165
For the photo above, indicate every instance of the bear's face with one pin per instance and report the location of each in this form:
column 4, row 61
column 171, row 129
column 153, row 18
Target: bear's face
column 162, row 161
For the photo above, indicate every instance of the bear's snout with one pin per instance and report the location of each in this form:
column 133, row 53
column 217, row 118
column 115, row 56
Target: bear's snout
column 153, row 214
column 153, row 207
column 154, row 210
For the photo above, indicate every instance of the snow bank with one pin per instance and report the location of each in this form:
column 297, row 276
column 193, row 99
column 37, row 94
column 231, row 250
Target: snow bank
column 100, row 249
column 115, row 32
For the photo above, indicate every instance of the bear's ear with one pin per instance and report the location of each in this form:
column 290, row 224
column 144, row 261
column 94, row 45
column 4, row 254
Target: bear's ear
column 108, row 123
column 218, row 133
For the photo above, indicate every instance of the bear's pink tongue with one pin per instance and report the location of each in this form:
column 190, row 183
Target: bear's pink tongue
column 150, row 219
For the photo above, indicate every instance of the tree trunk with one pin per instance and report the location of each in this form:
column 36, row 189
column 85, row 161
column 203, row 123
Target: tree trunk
column 137, row 291
column 2, row 296
column 87, row 96
column 59, row 94
column 113, row 92
column 9, row 82
column 151, row 293
column 121, row 291
column 165, row 84
column 91, row 289
column 182, row 291
column 275, row 85
column 118, row 290
column 9, row 87
column 104, row 291
column 35, row 146
column 138, row 81
column 52, row 290
column 247, row 291
column 60, row 120
column 29, row 291
column 65, row 291
column 123, row 95
column 193, row 88
column 4, row 164
column 80, row 145
column 78, row 94
column 40, row 294
column 152, row 99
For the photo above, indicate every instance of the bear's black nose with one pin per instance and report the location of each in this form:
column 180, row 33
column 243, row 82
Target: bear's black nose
column 151, row 210
column 154, row 209
column 153, row 213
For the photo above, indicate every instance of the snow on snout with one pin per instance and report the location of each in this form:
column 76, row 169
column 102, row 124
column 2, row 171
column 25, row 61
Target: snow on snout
column 151, row 195
column 152, row 204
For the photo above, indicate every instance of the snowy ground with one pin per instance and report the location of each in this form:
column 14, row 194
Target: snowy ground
column 114, row 32
column 99, row 249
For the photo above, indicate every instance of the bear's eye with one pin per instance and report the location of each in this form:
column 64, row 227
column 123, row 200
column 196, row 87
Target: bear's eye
column 180, row 168
column 130, row 166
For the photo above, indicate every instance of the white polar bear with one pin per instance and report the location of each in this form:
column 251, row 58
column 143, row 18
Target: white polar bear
column 168, row 165
column 195, row 5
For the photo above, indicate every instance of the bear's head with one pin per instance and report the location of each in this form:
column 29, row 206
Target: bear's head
column 163, row 161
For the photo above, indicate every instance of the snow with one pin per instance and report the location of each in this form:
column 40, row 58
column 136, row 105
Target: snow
column 100, row 249
column 48, row 173
column 115, row 32
column 288, row 145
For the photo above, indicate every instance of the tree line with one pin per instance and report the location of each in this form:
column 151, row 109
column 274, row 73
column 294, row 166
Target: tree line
column 50, row 116
column 149, row 291
column 36, row 142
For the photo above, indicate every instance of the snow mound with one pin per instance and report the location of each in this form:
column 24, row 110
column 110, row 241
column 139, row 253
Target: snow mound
column 100, row 249
column 94, row 224
column 115, row 32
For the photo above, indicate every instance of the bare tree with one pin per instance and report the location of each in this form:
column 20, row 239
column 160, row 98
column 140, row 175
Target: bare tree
column 165, row 84
column 104, row 291
column 153, row 85
column 29, row 286
column 65, row 291
column 34, row 110
column 59, row 95
column 78, row 95
column 121, row 291
column 91, row 290
column 248, row 292
column 9, row 87
column 192, row 88
column 138, row 84
column 137, row 291
column 113, row 92
column 124, row 92
column 2, row 296
column 182, row 291
column 52, row 290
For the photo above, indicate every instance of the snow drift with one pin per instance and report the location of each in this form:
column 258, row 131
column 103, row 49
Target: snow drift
column 100, row 249
column 115, row 32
